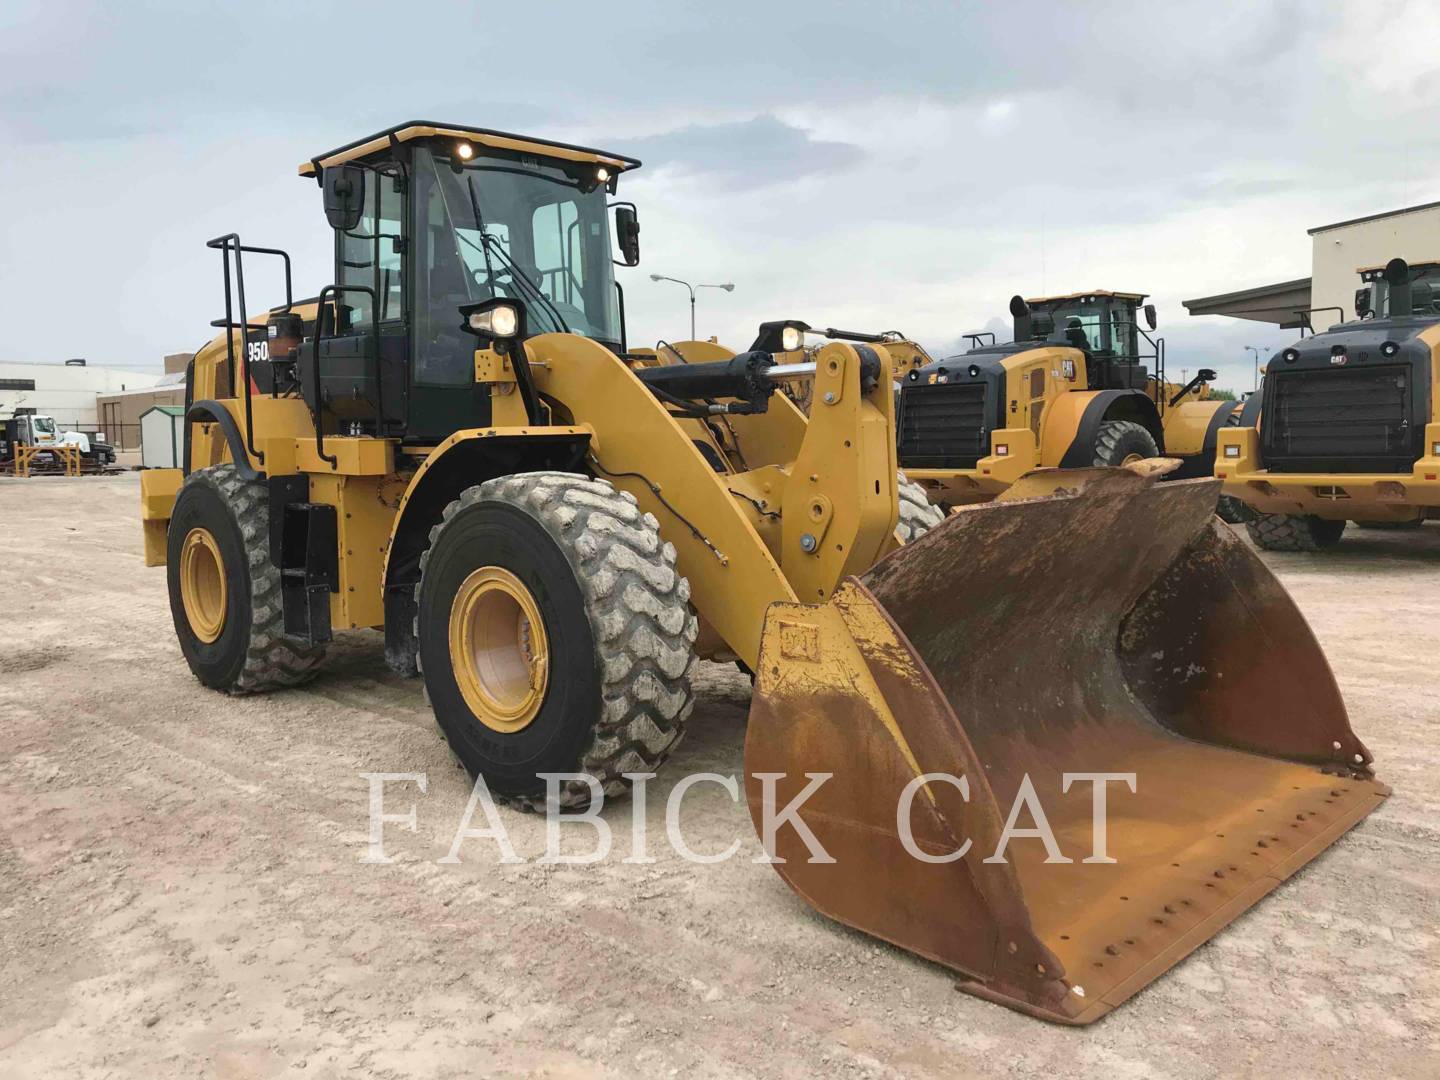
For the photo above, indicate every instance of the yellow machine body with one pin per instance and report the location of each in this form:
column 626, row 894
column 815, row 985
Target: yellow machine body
column 1170, row 653
column 1411, row 494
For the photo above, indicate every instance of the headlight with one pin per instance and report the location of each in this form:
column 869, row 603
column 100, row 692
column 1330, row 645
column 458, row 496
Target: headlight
column 1232, row 451
column 501, row 321
column 791, row 338
column 1002, row 450
column 1390, row 348
column 602, row 175
column 1290, row 355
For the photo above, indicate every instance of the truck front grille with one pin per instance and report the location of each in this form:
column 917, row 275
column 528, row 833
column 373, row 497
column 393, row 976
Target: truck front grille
column 1339, row 420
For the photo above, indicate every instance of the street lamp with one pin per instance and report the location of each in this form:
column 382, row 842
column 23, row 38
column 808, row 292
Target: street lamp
column 1253, row 349
column 729, row 286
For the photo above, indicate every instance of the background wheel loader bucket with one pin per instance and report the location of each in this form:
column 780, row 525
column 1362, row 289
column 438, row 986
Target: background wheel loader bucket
column 1114, row 626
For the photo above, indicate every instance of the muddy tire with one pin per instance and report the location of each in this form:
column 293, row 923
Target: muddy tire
column 918, row 515
column 241, row 647
column 1119, row 441
column 1294, row 532
column 1234, row 511
column 614, row 618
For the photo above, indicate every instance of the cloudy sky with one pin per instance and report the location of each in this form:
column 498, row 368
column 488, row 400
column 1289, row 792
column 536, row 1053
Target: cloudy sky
column 867, row 165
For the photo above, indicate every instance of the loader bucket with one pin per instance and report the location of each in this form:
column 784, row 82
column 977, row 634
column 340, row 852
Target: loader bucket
column 1112, row 625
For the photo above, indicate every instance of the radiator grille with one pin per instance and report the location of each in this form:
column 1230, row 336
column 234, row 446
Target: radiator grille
column 1340, row 420
column 942, row 426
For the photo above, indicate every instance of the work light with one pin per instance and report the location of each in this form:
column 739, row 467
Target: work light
column 501, row 321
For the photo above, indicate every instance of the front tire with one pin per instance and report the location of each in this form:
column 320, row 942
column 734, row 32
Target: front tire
column 225, row 591
column 1121, row 442
column 918, row 515
column 582, row 570
column 1294, row 532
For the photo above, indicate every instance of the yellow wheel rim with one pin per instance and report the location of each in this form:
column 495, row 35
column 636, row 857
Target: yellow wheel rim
column 202, row 585
column 498, row 649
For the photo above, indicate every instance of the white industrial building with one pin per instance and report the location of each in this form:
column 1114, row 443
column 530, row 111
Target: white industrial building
column 65, row 391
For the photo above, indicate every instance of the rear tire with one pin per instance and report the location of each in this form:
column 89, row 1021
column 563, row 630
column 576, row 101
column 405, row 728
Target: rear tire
column 1294, row 532
column 616, row 621
column 1121, row 441
column 250, row 653
column 917, row 514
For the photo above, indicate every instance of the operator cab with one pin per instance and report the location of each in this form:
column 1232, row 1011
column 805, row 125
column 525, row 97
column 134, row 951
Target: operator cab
column 430, row 218
column 1106, row 326
column 1373, row 299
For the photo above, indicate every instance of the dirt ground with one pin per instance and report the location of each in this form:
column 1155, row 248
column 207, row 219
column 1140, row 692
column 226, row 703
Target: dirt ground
column 181, row 892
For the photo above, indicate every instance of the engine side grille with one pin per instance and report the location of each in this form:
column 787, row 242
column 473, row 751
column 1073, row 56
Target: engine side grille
column 942, row 426
column 1339, row 420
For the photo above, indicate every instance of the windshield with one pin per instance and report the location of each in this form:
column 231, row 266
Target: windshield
column 43, row 425
column 516, row 227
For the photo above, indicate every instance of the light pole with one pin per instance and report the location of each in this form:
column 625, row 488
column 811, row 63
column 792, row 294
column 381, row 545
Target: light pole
column 1253, row 349
column 729, row 286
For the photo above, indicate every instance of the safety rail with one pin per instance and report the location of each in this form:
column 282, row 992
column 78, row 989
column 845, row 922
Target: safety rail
column 225, row 245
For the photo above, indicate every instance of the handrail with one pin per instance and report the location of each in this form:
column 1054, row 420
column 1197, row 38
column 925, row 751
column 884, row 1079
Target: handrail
column 225, row 244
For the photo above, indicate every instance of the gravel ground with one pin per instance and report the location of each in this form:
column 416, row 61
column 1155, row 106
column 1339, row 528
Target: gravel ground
column 181, row 891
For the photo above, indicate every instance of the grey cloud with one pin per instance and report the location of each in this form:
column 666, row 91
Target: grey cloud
column 746, row 154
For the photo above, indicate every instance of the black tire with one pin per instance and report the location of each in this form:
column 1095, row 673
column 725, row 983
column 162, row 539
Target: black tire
column 252, row 653
column 617, row 620
column 1235, row 511
column 1294, row 532
column 918, row 515
column 1120, row 439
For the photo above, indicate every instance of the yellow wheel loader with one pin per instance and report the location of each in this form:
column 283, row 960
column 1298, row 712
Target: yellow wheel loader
column 1347, row 424
column 1081, row 384
column 453, row 442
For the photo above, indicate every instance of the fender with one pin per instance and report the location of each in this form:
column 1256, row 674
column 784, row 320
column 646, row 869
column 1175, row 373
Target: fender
column 210, row 411
column 1080, row 452
column 1203, row 463
column 466, row 458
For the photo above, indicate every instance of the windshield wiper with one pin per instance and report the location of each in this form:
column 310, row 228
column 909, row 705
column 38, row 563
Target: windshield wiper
column 486, row 243
column 519, row 277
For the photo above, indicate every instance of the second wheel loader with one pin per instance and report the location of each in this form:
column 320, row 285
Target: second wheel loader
column 453, row 442
column 1081, row 384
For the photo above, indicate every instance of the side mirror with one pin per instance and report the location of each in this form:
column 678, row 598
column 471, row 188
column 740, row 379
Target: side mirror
column 344, row 187
column 627, row 233
column 1150, row 321
column 1362, row 302
column 1206, row 374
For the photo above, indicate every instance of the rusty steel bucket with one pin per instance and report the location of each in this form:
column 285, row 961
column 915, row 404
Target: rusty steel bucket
column 1093, row 622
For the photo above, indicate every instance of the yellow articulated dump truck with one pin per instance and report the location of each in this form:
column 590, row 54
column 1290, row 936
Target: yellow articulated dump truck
column 453, row 442
column 1081, row 384
column 1347, row 424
